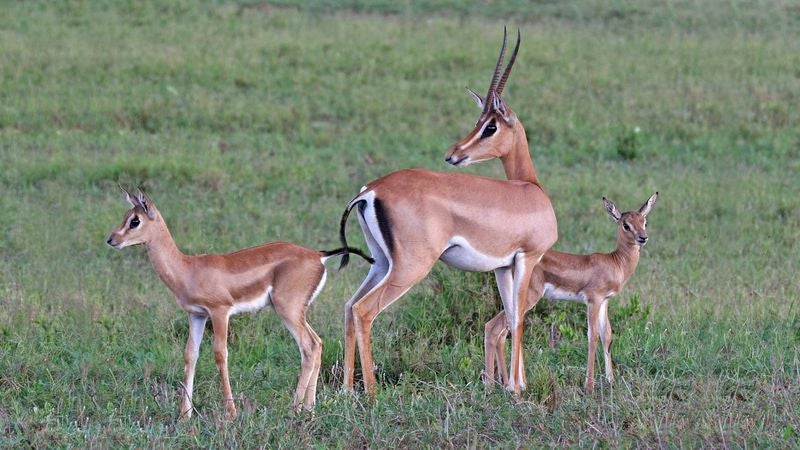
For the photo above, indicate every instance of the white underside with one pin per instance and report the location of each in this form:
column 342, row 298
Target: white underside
column 194, row 309
column 461, row 255
column 252, row 305
column 551, row 292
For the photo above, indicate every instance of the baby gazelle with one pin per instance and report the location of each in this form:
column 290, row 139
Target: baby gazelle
column 286, row 276
column 591, row 279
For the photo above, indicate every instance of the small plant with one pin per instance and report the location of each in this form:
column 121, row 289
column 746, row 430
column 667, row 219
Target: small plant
column 632, row 315
column 628, row 143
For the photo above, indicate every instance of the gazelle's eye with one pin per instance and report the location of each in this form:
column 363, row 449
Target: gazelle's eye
column 134, row 222
column 489, row 130
column 626, row 227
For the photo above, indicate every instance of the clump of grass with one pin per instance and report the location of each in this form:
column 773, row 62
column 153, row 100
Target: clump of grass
column 628, row 144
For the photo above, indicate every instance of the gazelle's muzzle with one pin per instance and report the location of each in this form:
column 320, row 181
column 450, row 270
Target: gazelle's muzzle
column 113, row 242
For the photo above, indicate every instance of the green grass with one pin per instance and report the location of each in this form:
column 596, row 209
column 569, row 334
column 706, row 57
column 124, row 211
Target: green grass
column 257, row 122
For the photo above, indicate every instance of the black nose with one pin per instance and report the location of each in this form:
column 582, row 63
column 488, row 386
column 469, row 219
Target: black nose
column 108, row 241
column 447, row 159
column 642, row 240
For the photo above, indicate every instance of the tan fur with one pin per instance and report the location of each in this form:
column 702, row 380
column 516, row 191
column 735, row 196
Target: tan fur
column 214, row 286
column 595, row 277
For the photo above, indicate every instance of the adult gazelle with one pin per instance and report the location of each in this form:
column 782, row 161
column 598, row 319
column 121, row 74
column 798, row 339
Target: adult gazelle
column 412, row 218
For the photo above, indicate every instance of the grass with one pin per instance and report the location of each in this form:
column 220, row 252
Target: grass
column 256, row 122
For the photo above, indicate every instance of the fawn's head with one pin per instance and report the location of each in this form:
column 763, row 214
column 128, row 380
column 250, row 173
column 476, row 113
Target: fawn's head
column 137, row 224
column 631, row 225
column 497, row 127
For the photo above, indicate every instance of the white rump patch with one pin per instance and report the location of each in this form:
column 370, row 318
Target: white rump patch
column 252, row 305
column 319, row 286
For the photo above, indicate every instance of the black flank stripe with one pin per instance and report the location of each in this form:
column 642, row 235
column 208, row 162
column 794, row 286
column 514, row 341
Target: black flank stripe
column 384, row 223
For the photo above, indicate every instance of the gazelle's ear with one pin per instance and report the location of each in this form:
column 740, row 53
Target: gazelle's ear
column 129, row 197
column 147, row 204
column 612, row 209
column 477, row 97
column 645, row 209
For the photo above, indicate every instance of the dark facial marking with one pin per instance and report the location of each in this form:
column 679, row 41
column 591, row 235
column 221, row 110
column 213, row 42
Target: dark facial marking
column 489, row 130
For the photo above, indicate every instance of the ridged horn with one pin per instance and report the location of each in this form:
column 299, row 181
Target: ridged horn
column 502, row 83
column 496, row 76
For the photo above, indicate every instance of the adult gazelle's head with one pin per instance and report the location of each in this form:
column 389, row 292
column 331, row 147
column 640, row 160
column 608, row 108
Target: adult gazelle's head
column 497, row 128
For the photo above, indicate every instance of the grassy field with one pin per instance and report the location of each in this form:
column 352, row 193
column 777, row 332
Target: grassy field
column 257, row 122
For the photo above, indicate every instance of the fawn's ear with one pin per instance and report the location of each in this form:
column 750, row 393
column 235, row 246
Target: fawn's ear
column 147, row 204
column 645, row 209
column 612, row 209
column 129, row 197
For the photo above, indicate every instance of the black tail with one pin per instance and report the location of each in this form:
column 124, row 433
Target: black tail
column 346, row 250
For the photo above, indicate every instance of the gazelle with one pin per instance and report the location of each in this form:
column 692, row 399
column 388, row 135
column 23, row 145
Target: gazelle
column 286, row 276
column 591, row 279
column 412, row 218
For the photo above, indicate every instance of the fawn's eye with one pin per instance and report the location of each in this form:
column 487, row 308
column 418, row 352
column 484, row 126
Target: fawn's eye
column 626, row 227
column 490, row 129
column 134, row 222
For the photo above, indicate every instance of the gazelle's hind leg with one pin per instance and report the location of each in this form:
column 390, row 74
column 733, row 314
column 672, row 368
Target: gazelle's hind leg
column 399, row 280
column 494, row 351
column 311, row 388
column 308, row 342
column 377, row 272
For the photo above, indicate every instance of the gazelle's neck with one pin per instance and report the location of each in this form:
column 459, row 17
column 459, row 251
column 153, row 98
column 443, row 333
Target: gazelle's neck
column 517, row 163
column 168, row 261
column 626, row 255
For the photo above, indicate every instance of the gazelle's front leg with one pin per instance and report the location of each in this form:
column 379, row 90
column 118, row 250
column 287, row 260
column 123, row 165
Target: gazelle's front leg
column 197, row 325
column 523, row 269
column 593, row 333
column 219, row 319
column 505, row 285
column 605, row 338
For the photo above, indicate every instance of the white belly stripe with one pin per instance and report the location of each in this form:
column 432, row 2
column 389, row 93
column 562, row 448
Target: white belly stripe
column 461, row 255
column 553, row 293
column 252, row 305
